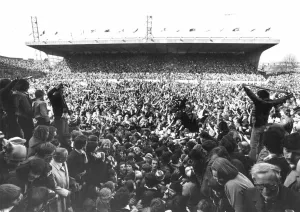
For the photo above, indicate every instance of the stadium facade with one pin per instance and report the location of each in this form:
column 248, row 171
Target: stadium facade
column 251, row 47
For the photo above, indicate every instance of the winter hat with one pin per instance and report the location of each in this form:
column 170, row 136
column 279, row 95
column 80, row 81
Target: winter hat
column 15, row 140
column 105, row 193
column 8, row 194
column 16, row 152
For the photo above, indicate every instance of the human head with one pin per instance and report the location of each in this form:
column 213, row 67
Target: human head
column 157, row 205
column 223, row 170
column 4, row 83
column 46, row 151
column 154, row 164
column 52, row 133
column 105, row 194
column 291, row 149
column 148, row 158
column 60, row 155
column 38, row 197
column 263, row 94
column 147, row 196
column 266, row 179
column 273, row 138
column 122, row 197
column 22, row 85
column 39, row 94
column 14, row 154
column 32, row 170
column 122, row 167
column 10, row 195
column 80, row 142
column 41, row 132
column 244, row 147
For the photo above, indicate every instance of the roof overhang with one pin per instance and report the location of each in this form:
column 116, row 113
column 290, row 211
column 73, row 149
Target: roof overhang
column 155, row 45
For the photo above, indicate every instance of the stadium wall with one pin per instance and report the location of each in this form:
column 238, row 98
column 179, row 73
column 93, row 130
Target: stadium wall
column 254, row 57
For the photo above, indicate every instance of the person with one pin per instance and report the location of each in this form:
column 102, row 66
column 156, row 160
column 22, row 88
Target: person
column 272, row 139
column 8, row 118
column 234, row 182
column 24, row 112
column 262, row 107
column 120, row 202
column 62, row 179
column 191, row 189
column 157, row 205
column 45, row 151
column 10, row 158
column 60, row 109
column 174, row 199
column 40, row 110
column 10, row 196
column 291, row 152
column 40, row 199
column 77, row 159
column 40, row 136
column 269, row 194
column 103, row 200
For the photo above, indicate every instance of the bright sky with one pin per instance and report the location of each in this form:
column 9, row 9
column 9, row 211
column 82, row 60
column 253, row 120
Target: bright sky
column 209, row 18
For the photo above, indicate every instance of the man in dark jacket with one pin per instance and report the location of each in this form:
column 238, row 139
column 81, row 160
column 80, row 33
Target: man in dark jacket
column 262, row 107
column 60, row 109
column 269, row 194
column 7, row 110
column 23, row 106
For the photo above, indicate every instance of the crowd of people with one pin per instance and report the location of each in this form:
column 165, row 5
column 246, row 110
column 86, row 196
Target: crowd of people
column 119, row 133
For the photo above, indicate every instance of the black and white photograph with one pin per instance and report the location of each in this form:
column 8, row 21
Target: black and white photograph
column 149, row 106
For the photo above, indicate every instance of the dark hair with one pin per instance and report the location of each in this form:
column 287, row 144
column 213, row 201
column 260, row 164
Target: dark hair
column 225, row 169
column 41, row 132
column 273, row 139
column 205, row 205
column 147, row 196
column 52, row 129
column 129, row 184
column 122, row 197
column 230, row 146
column 157, row 205
column 22, row 85
column 263, row 94
column 220, row 151
column 150, row 180
column 80, row 142
column 4, row 83
column 8, row 194
column 39, row 94
column 45, row 149
column 196, row 155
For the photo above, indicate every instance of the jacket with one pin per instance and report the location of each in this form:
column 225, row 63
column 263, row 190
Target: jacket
column 62, row 181
column 262, row 108
column 22, row 104
column 58, row 102
column 287, row 199
column 40, row 110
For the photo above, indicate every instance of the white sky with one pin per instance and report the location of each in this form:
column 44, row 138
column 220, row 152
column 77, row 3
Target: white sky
column 207, row 17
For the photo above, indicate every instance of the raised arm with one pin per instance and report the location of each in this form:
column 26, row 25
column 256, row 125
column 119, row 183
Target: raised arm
column 251, row 95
